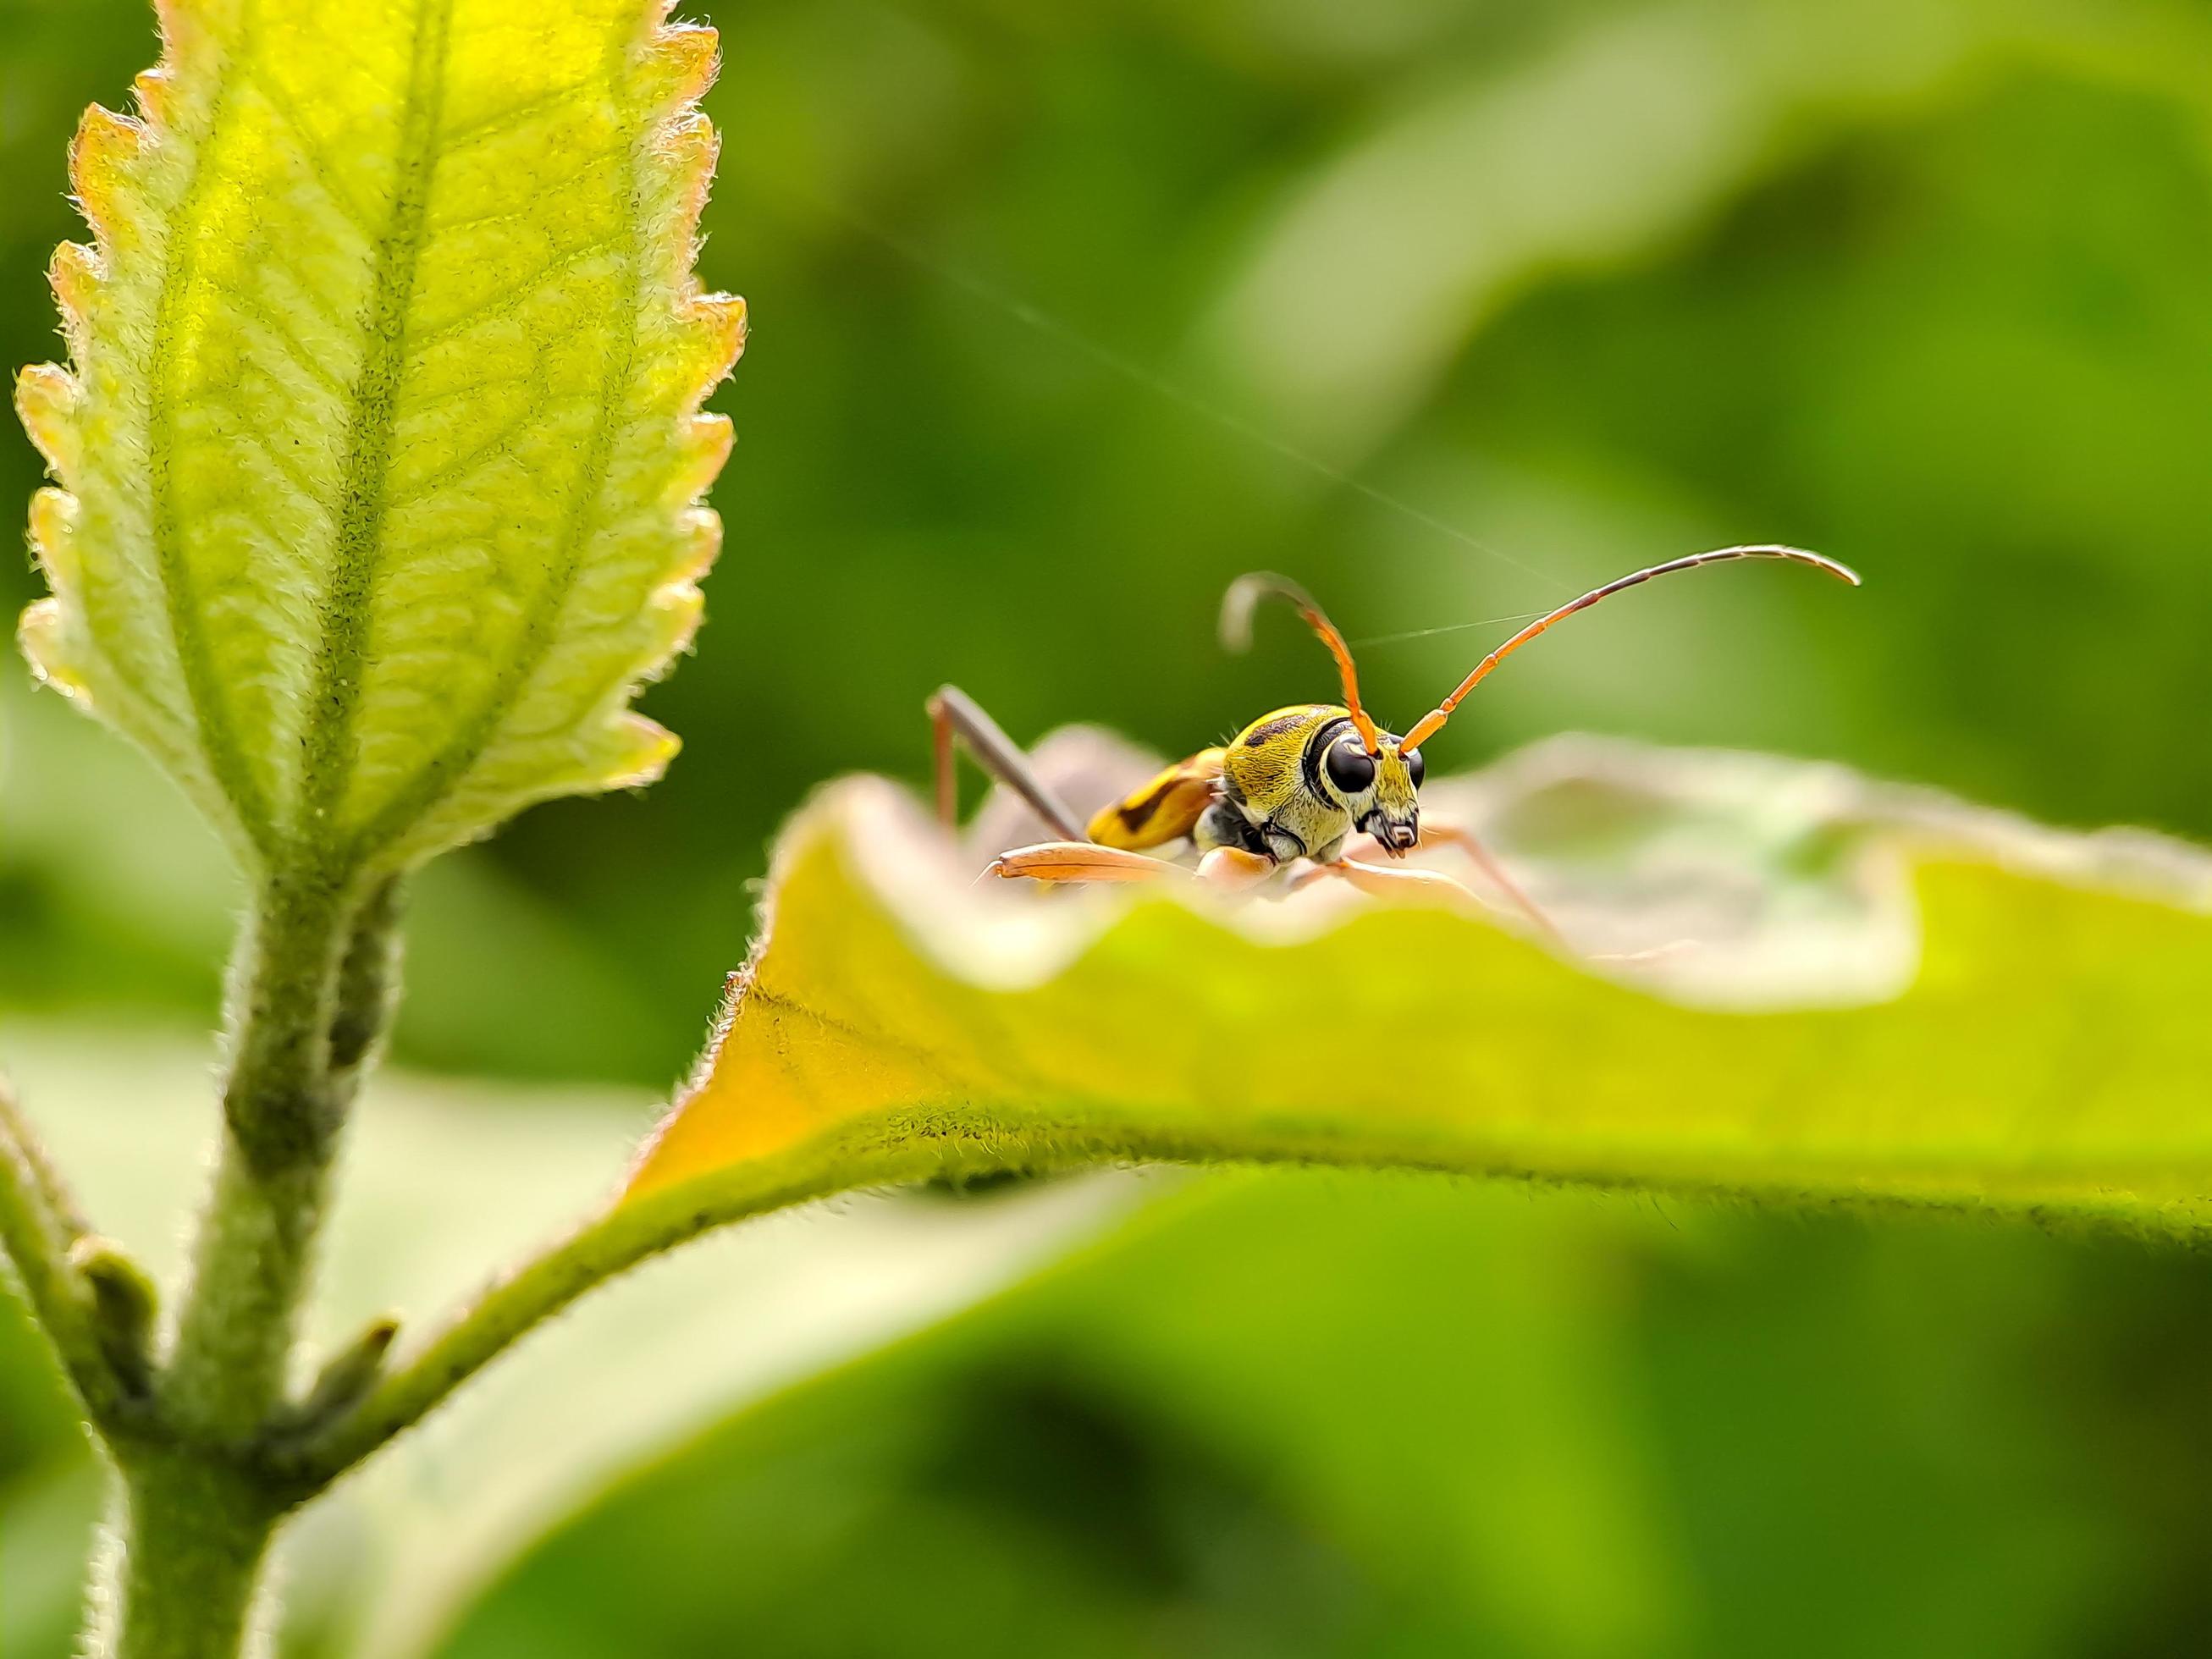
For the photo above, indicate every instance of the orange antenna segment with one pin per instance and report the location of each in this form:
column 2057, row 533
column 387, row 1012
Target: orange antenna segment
column 1243, row 598
column 1430, row 723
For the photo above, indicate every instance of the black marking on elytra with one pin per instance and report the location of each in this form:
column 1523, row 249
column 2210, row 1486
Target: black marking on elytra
column 1136, row 813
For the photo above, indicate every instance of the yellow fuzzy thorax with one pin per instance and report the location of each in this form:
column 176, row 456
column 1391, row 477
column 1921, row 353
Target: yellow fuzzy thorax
column 1267, row 771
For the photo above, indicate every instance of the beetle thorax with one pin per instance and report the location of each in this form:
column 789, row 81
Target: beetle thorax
column 1303, row 782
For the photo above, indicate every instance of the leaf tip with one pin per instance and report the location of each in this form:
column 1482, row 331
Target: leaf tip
column 53, row 538
column 636, row 751
column 724, row 321
column 102, row 158
column 75, row 275
column 156, row 92
column 703, row 447
column 46, row 402
column 42, row 634
column 684, row 59
column 106, row 139
column 700, row 536
column 676, row 610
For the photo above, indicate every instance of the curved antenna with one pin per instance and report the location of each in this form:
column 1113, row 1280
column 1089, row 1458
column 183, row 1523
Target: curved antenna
column 1428, row 725
column 1243, row 598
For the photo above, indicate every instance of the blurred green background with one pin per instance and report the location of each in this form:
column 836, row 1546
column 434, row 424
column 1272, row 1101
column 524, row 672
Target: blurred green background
column 1063, row 315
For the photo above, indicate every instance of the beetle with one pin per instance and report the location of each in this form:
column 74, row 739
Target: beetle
column 1296, row 785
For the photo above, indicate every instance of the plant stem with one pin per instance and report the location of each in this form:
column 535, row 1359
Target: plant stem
column 281, row 1121
column 195, row 1534
column 36, row 1240
column 309, row 997
column 47, row 1186
column 368, row 985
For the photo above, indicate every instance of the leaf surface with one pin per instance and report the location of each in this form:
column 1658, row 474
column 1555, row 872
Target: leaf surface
column 1845, row 991
column 380, row 451
column 1616, row 135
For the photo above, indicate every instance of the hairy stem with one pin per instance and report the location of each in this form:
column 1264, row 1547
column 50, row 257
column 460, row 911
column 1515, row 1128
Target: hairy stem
column 195, row 1532
column 37, row 1225
column 368, row 984
column 309, row 997
column 281, row 1117
column 52, row 1191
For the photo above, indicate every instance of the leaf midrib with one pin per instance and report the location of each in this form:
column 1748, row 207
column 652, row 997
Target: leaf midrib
column 334, row 709
column 444, row 771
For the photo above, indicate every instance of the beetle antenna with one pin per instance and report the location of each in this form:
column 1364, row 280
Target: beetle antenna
column 1430, row 723
column 1243, row 598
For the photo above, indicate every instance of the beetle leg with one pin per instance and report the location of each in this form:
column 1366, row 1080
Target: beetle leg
column 1233, row 870
column 1381, row 883
column 1230, row 869
column 953, row 714
column 1386, row 882
column 1082, row 860
column 1451, row 835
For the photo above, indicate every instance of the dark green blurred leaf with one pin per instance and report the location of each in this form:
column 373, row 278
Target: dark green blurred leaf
column 1302, row 1415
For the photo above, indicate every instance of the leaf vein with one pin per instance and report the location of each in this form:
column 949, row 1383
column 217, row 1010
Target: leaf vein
column 288, row 345
column 464, row 133
column 443, row 774
column 309, row 149
column 210, row 708
column 513, row 297
column 362, row 501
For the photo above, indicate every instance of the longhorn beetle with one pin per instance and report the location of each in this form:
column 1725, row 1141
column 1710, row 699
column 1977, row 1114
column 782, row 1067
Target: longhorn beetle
column 1294, row 785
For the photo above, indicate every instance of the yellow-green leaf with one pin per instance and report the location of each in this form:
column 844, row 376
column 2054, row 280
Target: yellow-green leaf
column 1840, row 991
column 380, row 451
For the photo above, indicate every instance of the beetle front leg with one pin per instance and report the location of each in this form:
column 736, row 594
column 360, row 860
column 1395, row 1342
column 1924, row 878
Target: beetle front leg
column 1082, row 860
column 1379, row 882
column 1227, row 869
column 1384, row 881
column 1451, row 835
column 1233, row 870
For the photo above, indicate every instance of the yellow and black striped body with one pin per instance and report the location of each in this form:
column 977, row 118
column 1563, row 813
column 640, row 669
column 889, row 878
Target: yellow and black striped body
column 1268, row 791
column 1165, row 809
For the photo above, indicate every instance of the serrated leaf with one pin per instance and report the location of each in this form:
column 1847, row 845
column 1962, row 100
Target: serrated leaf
column 379, row 452
column 1854, row 992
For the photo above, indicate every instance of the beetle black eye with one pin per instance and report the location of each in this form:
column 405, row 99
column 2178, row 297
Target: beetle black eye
column 1416, row 767
column 1351, row 768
